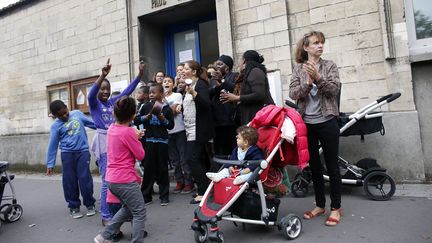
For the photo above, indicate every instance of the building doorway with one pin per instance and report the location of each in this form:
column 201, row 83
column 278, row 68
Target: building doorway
column 181, row 33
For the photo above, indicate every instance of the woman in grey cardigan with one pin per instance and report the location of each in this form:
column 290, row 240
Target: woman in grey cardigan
column 315, row 86
column 252, row 90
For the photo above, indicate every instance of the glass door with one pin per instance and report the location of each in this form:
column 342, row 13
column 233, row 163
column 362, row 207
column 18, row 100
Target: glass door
column 186, row 46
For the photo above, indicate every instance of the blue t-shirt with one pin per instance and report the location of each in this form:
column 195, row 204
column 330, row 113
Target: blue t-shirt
column 70, row 134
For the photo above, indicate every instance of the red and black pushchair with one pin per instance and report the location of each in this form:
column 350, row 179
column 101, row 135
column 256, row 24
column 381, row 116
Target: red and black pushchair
column 247, row 202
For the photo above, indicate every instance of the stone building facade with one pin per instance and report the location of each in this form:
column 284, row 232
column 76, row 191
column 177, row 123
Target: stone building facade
column 46, row 43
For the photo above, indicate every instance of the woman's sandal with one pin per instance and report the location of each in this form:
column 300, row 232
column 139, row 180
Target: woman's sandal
column 310, row 215
column 330, row 221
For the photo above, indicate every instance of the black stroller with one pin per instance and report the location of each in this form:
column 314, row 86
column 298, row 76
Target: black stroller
column 9, row 212
column 377, row 184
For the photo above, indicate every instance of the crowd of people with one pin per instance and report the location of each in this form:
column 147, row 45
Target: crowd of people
column 184, row 121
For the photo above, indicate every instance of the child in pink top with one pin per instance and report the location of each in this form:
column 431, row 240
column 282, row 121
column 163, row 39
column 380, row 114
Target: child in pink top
column 123, row 148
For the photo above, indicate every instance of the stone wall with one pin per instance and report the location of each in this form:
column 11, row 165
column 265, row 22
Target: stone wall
column 51, row 42
column 262, row 25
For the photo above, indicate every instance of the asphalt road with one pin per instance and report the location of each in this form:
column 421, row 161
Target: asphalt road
column 402, row 219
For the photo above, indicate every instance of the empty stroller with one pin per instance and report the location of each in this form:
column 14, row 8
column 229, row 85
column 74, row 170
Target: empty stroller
column 224, row 200
column 9, row 212
column 377, row 184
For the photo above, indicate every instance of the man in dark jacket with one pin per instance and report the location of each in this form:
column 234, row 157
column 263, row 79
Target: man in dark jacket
column 223, row 80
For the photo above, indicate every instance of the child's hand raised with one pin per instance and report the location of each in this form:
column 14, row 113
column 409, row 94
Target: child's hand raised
column 107, row 68
column 141, row 67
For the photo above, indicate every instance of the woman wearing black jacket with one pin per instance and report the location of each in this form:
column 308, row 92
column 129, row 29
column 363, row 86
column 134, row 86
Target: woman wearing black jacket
column 252, row 90
column 198, row 121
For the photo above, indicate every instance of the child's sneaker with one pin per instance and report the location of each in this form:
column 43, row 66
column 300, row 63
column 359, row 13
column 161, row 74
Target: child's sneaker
column 117, row 237
column 100, row 239
column 91, row 210
column 188, row 189
column 75, row 213
column 178, row 187
column 240, row 179
column 164, row 202
column 148, row 202
column 216, row 177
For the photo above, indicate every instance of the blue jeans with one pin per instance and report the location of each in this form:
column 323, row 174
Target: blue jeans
column 133, row 206
column 105, row 213
column 76, row 177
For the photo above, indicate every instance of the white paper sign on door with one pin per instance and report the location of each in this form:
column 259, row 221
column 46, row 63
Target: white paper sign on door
column 185, row 55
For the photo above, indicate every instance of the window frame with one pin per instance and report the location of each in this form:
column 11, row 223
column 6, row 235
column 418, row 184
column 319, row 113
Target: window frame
column 71, row 93
column 420, row 50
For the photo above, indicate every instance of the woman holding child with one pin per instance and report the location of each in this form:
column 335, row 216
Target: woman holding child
column 315, row 86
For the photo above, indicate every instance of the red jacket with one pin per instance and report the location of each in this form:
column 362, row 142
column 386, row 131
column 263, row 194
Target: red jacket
column 289, row 154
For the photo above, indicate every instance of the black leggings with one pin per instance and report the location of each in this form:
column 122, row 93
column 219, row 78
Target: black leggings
column 328, row 134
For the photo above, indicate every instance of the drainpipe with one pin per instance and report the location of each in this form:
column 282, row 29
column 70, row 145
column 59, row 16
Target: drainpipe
column 129, row 38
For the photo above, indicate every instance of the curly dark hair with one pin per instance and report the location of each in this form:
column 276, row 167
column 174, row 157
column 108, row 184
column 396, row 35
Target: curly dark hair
column 249, row 134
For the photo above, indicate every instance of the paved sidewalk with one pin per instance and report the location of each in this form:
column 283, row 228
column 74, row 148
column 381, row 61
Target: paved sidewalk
column 404, row 190
column 404, row 218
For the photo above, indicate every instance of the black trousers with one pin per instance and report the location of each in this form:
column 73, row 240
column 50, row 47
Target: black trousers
column 155, row 169
column 198, row 160
column 327, row 133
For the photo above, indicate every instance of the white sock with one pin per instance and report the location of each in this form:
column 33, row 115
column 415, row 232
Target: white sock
column 216, row 177
column 240, row 179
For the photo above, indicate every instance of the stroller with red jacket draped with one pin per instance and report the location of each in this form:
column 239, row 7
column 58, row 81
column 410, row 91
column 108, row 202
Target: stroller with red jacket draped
column 282, row 136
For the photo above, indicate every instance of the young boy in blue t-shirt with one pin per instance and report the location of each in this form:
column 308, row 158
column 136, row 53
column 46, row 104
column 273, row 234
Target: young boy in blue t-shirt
column 68, row 131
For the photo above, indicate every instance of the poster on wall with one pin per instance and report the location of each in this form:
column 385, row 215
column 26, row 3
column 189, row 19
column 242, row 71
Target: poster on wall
column 274, row 79
column 119, row 85
column 185, row 55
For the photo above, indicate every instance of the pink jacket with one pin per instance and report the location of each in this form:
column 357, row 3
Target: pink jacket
column 123, row 148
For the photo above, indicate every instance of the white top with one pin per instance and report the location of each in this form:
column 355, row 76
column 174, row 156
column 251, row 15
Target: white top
column 176, row 98
column 189, row 113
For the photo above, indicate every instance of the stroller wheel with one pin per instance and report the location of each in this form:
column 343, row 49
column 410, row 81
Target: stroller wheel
column 300, row 186
column 13, row 213
column 291, row 226
column 200, row 235
column 3, row 211
column 379, row 186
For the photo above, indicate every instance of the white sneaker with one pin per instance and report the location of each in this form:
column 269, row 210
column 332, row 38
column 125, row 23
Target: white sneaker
column 216, row 177
column 240, row 179
column 100, row 239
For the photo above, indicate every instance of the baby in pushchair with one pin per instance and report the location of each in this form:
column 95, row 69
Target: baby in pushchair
column 245, row 201
column 247, row 150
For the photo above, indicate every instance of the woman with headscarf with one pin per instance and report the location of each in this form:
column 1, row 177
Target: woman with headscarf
column 252, row 90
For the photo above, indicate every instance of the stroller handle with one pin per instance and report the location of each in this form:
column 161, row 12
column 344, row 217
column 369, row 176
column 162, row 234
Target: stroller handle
column 291, row 104
column 238, row 162
column 389, row 98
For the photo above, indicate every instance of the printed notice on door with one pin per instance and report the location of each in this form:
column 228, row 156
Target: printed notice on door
column 185, row 55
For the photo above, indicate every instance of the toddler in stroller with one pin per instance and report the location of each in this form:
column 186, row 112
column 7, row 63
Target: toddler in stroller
column 9, row 212
column 224, row 200
column 247, row 150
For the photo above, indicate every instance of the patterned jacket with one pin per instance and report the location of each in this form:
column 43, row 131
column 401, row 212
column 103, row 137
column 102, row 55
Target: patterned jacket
column 328, row 87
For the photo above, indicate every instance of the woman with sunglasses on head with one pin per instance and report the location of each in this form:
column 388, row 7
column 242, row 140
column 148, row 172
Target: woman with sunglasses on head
column 315, row 86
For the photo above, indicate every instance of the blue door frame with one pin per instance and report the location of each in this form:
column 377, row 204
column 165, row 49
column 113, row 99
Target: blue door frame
column 192, row 24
